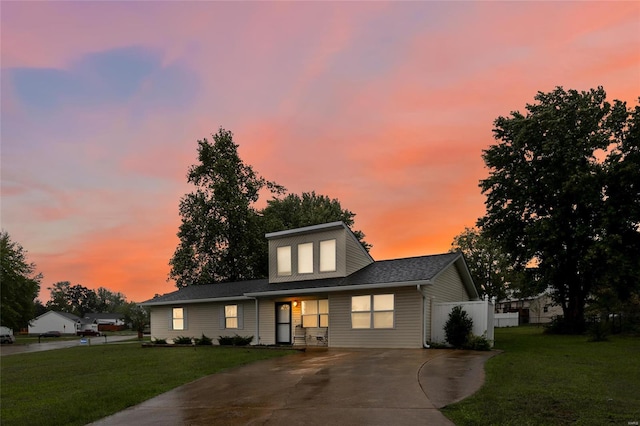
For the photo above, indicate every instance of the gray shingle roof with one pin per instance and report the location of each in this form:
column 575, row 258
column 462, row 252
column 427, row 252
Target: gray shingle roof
column 407, row 270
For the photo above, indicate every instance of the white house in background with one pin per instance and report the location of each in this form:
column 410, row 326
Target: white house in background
column 101, row 322
column 538, row 309
column 63, row 322
column 324, row 289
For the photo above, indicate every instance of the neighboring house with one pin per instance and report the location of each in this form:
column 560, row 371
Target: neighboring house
column 323, row 289
column 538, row 309
column 101, row 322
column 63, row 322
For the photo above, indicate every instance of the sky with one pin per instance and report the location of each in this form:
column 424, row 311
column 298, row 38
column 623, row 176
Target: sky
column 385, row 106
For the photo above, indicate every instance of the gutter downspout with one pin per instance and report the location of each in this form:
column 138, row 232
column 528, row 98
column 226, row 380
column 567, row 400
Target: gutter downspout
column 424, row 317
column 257, row 321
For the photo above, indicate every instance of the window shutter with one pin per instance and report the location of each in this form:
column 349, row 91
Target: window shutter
column 170, row 314
column 240, row 314
column 185, row 320
column 222, row 323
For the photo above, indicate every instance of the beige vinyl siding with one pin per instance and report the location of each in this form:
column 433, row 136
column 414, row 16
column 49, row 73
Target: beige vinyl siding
column 201, row 318
column 357, row 256
column 267, row 322
column 315, row 238
column 407, row 331
column 447, row 287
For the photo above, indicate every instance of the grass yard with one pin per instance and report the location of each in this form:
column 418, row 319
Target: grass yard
column 79, row 385
column 556, row 380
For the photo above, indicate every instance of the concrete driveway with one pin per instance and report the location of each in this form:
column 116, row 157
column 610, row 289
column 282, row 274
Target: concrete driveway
column 335, row 386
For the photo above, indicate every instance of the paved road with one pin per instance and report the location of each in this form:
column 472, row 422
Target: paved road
column 337, row 387
column 50, row 343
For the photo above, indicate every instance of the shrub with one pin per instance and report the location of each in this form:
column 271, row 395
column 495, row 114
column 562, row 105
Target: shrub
column 183, row 340
column 478, row 343
column 159, row 341
column 235, row 340
column 458, row 327
column 598, row 330
column 204, row 340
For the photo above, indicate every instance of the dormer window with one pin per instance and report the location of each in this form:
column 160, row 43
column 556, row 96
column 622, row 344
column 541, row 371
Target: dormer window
column 328, row 255
column 305, row 258
column 284, row 260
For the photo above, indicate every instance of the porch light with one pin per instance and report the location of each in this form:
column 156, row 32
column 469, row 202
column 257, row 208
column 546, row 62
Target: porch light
column 295, row 303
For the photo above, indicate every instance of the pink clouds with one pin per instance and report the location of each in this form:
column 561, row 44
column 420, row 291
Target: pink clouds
column 385, row 106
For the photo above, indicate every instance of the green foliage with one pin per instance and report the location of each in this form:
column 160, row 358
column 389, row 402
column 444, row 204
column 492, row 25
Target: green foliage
column 19, row 284
column 558, row 178
column 183, row 340
column 490, row 266
column 220, row 234
column 204, row 341
column 458, row 327
column 135, row 315
column 477, row 343
column 80, row 300
column 235, row 340
column 598, row 331
column 159, row 341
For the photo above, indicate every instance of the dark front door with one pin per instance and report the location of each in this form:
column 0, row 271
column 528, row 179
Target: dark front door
column 283, row 323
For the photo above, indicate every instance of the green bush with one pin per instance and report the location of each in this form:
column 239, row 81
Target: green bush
column 478, row 343
column 235, row 340
column 458, row 327
column 183, row 340
column 204, row 340
column 159, row 341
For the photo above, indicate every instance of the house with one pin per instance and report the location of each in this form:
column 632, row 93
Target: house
column 323, row 289
column 538, row 309
column 107, row 321
column 63, row 322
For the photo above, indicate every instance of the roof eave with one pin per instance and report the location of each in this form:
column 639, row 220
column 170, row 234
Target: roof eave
column 205, row 300
column 334, row 289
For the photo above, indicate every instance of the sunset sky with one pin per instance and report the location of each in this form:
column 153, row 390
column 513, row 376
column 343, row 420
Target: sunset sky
column 385, row 106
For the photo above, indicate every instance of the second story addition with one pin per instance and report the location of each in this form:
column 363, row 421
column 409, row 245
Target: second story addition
column 328, row 250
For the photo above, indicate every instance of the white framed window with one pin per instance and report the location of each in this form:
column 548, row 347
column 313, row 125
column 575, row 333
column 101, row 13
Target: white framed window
column 283, row 257
column 328, row 255
column 305, row 258
column 231, row 316
column 178, row 320
column 315, row 313
column 372, row 311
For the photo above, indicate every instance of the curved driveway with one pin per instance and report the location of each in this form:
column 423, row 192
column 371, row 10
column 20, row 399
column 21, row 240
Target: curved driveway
column 335, row 386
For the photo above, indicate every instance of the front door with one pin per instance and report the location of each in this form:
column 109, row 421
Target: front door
column 283, row 323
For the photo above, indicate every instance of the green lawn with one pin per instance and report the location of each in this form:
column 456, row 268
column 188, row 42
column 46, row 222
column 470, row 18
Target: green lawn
column 556, row 380
column 79, row 385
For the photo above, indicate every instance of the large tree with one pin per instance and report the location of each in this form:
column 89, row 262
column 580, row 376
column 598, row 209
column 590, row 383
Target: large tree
column 488, row 263
column 219, row 234
column 74, row 299
column 19, row 284
column 549, row 188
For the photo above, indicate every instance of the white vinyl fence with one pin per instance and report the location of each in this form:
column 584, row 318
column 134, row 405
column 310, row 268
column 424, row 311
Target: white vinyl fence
column 509, row 319
column 481, row 312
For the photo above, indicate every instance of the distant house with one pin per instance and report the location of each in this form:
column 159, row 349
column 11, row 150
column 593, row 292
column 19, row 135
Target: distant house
column 538, row 309
column 63, row 322
column 323, row 289
column 101, row 322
